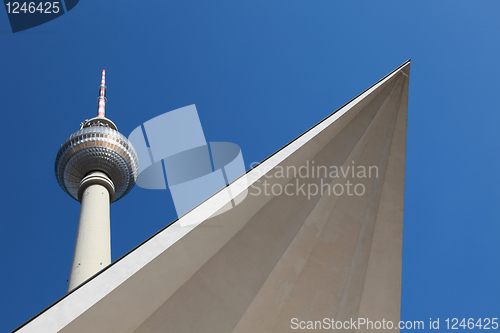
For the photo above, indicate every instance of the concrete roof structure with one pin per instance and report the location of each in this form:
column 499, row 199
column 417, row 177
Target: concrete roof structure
column 308, row 252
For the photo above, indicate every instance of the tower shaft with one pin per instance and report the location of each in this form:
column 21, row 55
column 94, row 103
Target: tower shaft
column 93, row 240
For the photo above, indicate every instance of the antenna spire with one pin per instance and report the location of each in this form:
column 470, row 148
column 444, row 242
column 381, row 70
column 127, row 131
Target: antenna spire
column 102, row 95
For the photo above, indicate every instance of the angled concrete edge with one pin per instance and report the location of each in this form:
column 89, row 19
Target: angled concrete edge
column 220, row 272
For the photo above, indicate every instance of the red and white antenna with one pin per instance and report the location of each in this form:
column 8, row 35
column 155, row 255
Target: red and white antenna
column 102, row 95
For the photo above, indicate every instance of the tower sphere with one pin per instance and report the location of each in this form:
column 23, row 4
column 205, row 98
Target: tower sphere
column 97, row 147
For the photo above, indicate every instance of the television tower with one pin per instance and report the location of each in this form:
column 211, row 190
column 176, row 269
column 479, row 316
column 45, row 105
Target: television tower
column 96, row 165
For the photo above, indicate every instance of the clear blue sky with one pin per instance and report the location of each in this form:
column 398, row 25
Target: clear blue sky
column 260, row 73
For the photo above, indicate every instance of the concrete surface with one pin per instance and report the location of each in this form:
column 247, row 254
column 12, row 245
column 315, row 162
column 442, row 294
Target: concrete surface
column 272, row 258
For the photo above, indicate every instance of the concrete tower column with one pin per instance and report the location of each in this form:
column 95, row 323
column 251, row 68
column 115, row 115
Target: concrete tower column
column 96, row 165
column 93, row 240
